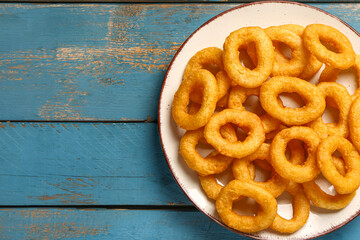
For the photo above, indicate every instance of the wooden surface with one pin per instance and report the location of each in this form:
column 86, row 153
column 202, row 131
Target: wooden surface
column 80, row 152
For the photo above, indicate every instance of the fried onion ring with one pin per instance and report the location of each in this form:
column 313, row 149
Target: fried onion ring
column 296, row 64
column 342, row 184
column 265, row 56
column 181, row 100
column 315, row 34
column 297, row 173
column 248, row 120
column 276, row 184
column 241, row 188
column 301, row 211
column 354, row 123
column 215, row 163
column 323, row 200
column 212, row 187
column 315, row 101
column 238, row 96
column 341, row 97
column 330, row 74
column 312, row 64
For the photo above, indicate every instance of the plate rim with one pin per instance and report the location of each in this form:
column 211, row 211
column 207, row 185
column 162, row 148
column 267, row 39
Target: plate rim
column 332, row 228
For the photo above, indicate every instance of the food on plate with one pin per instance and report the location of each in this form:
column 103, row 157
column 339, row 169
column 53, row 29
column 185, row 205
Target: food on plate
column 312, row 65
column 354, row 123
column 297, row 63
column 238, row 96
column 313, row 97
column 243, row 76
column 242, row 119
column 343, row 184
column 295, row 172
column 200, row 79
column 321, row 199
column 342, row 100
column 212, row 187
column 316, row 34
column 241, row 188
column 275, row 185
column 293, row 144
column 301, row 211
column 330, row 74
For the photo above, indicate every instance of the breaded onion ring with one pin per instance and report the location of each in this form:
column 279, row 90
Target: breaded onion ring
column 215, row 163
column 315, row 101
column 238, row 96
column 297, row 173
column 265, row 56
column 312, row 64
column 330, row 74
column 296, row 64
column 248, row 120
column 183, row 119
column 342, row 184
column 276, row 184
column 210, row 59
column 241, row 188
column 301, row 211
column 323, row 200
column 212, row 187
column 354, row 123
column 315, row 34
column 341, row 97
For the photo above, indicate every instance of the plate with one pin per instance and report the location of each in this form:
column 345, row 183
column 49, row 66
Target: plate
column 213, row 34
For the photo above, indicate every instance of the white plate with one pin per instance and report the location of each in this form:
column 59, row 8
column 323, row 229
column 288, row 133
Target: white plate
column 213, row 34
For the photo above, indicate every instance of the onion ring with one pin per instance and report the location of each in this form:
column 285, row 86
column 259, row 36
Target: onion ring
column 238, row 96
column 330, row 74
column 265, row 56
column 215, row 163
column 315, row 101
column 354, row 123
column 341, row 97
column 181, row 100
column 275, row 185
column 313, row 65
column 241, row 188
column 297, row 63
column 288, row 170
column 315, row 34
column 211, row 186
column 323, row 200
column 251, row 121
column 342, row 184
column 301, row 211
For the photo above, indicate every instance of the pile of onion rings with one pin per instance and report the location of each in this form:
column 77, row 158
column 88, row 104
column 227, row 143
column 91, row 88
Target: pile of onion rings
column 292, row 144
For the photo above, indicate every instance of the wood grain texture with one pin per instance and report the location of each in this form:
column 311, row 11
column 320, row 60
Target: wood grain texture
column 74, row 62
column 85, row 164
column 89, row 62
column 101, row 224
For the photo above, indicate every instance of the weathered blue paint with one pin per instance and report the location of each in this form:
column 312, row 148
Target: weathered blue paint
column 97, row 62
column 86, row 62
column 84, row 163
column 104, row 224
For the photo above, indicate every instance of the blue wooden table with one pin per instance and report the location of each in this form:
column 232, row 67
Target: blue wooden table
column 79, row 146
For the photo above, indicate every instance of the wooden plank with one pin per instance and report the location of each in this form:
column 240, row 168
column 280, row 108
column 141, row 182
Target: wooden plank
column 89, row 224
column 79, row 62
column 89, row 62
column 84, row 164
column 167, row 1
